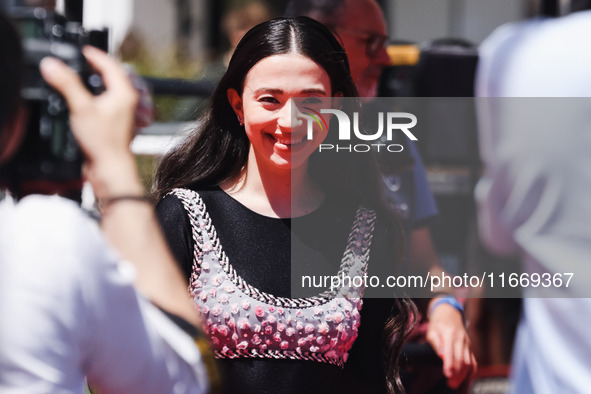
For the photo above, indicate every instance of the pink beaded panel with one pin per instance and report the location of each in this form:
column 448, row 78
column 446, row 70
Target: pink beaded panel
column 242, row 321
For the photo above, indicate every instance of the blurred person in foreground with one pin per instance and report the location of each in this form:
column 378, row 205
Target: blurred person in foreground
column 533, row 199
column 362, row 30
column 73, row 306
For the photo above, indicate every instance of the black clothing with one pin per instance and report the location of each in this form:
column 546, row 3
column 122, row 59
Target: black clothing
column 260, row 249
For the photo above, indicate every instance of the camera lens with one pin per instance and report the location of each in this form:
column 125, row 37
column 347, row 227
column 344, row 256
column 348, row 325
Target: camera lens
column 57, row 31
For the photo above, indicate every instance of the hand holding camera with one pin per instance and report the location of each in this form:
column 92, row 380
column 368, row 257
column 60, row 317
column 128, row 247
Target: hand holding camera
column 102, row 124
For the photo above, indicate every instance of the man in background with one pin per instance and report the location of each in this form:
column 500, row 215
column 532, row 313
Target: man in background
column 362, row 29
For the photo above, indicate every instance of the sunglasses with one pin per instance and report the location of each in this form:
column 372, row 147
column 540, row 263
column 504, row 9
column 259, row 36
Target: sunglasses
column 374, row 42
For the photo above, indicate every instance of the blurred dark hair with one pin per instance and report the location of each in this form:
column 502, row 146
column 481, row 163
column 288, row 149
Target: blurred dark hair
column 11, row 73
column 580, row 5
column 554, row 8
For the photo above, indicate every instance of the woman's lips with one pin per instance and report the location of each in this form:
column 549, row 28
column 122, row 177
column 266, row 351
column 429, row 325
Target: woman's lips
column 287, row 142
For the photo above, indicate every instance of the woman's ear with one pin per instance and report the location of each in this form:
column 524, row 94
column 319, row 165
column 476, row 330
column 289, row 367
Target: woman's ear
column 236, row 103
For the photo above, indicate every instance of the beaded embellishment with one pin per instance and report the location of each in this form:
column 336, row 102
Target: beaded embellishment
column 244, row 322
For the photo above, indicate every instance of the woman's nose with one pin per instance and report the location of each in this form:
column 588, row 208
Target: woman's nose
column 285, row 117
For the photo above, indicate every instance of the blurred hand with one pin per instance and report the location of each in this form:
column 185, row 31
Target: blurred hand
column 448, row 336
column 144, row 111
column 103, row 124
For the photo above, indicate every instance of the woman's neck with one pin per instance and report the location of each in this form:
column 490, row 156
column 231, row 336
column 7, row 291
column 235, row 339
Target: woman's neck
column 275, row 192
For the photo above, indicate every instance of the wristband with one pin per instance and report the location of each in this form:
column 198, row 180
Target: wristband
column 447, row 300
column 106, row 202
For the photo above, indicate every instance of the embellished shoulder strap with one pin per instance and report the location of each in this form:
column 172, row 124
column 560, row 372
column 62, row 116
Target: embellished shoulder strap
column 356, row 256
column 353, row 263
column 200, row 222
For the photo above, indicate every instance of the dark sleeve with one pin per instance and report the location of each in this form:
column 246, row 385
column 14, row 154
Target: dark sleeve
column 176, row 227
column 425, row 207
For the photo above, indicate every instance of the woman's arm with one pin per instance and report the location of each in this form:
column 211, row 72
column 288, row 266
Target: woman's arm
column 446, row 331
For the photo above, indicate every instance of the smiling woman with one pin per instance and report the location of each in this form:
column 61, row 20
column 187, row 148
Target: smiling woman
column 245, row 205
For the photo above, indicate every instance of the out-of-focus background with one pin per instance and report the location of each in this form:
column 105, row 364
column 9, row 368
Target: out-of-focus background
column 181, row 48
column 191, row 38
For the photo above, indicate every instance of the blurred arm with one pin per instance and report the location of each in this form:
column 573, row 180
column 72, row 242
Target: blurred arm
column 103, row 126
column 446, row 331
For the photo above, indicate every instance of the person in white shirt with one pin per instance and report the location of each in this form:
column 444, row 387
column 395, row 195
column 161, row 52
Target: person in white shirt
column 533, row 199
column 77, row 301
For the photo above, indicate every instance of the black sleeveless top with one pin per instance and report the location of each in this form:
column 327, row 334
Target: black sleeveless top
column 249, row 237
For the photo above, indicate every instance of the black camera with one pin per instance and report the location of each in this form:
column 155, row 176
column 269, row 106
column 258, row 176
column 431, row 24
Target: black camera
column 49, row 152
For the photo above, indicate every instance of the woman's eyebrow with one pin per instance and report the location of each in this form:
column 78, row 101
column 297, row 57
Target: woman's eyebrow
column 268, row 90
column 314, row 91
column 280, row 91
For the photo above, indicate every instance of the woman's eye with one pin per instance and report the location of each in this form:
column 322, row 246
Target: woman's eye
column 311, row 100
column 268, row 99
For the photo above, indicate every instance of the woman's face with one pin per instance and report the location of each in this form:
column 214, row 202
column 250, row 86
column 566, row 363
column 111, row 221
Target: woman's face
column 278, row 135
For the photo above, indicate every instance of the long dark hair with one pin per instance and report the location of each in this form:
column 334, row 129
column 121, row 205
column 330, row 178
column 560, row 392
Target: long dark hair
column 218, row 150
